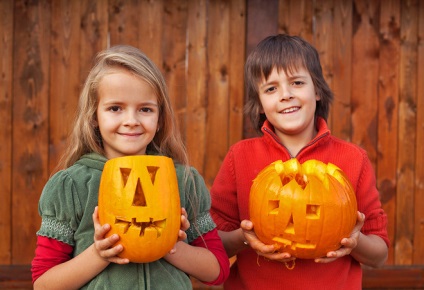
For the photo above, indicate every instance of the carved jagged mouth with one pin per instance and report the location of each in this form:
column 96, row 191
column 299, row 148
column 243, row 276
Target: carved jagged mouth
column 157, row 226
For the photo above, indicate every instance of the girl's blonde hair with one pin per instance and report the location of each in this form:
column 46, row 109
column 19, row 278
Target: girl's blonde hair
column 85, row 136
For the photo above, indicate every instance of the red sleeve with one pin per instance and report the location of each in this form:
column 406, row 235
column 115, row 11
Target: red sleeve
column 213, row 243
column 49, row 253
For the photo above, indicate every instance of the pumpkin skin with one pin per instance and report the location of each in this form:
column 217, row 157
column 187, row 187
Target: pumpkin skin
column 303, row 209
column 139, row 198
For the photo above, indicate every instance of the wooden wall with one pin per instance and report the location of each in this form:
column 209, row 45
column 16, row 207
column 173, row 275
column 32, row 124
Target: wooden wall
column 372, row 54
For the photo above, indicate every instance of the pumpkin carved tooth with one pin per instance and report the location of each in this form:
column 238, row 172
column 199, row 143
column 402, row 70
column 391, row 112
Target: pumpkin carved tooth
column 139, row 198
column 303, row 209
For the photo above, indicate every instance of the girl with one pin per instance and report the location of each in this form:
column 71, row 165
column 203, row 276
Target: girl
column 288, row 103
column 124, row 109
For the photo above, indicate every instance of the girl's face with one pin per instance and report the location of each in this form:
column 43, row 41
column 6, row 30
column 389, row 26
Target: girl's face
column 127, row 114
column 289, row 103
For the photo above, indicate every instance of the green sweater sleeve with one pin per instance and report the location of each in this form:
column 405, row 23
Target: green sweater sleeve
column 58, row 208
column 195, row 198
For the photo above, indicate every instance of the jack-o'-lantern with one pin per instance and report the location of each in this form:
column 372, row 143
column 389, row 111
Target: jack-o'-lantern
column 303, row 209
column 139, row 198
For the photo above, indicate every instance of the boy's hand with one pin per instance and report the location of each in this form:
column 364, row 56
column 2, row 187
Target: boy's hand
column 269, row 252
column 348, row 244
column 105, row 246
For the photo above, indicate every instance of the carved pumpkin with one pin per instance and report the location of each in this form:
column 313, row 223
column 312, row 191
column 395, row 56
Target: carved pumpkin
column 139, row 198
column 305, row 210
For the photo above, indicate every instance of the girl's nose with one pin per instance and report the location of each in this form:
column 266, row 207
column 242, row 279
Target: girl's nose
column 131, row 119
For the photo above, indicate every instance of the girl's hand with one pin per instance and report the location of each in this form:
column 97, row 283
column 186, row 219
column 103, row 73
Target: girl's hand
column 269, row 252
column 185, row 224
column 105, row 246
column 348, row 244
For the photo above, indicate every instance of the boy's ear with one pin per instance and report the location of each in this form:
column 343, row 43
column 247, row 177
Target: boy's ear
column 317, row 97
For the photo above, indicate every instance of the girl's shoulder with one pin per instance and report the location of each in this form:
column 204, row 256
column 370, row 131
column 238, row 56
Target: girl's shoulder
column 64, row 184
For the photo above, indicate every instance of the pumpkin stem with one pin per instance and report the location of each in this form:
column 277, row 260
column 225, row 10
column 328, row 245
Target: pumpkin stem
column 290, row 267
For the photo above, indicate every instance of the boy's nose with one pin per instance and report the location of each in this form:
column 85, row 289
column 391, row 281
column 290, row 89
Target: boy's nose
column 286, row 94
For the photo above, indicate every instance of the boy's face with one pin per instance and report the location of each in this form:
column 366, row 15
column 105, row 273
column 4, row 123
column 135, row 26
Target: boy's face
column 127, row 114
column 289, row 103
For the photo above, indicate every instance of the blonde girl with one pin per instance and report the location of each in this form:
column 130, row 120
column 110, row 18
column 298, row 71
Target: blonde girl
column 124, row 109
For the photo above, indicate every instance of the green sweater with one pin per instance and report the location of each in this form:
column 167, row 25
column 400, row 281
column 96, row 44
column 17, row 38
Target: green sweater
column 66, row 207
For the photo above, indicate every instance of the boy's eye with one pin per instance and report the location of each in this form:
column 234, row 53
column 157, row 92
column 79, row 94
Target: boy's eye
column 297, row 83
column 270, row 90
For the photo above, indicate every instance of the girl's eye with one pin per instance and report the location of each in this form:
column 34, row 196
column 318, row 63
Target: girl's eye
column 114, row 108
column 146, row 110
column 298, row 83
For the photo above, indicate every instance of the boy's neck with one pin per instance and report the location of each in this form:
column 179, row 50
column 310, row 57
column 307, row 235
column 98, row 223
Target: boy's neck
column 295, row 143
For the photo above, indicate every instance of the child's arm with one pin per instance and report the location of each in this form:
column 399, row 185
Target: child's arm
column 76, row 272
column 198, row 262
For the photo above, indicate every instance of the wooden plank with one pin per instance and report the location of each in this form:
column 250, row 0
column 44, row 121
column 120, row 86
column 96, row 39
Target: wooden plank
column 94, row 33
column 15, row 277
column 418, row 257
column 174, row 57
column 266, row 13
column 342, row 77
column 394, row 277
column 388, row 105
column 123, row 22
column 64, row 75
column 323, row 38
column 6, row 96
column 196, row 81
column 236, row 70
column 365, row 45
column 218, row 34
column 404, row 243
column 30, row 122
column 295, row 17
column 150, row 30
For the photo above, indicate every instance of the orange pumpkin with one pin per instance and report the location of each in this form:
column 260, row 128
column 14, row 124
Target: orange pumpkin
column 303, row 209
column 139, row 198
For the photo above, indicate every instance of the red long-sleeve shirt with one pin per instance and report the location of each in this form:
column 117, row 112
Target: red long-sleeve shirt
column 51, row 252
column 230, row 205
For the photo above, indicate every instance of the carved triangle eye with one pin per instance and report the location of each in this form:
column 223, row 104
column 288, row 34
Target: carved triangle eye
column 152, row 172
column 125, row 173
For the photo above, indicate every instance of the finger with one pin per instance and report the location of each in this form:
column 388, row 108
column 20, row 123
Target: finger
column 118, row 260
column 246, row 225
column 185, row 224
column 101, row 231
column 184, row 212
column 107, row 243
column 261, row 248
column 95, row 217
column 325, row 260
column 281, row 257
column 182, row 235
column 112, row 252
column 361, row 216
